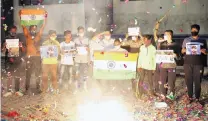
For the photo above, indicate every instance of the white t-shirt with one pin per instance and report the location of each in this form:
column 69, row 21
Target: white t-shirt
column 66, row 52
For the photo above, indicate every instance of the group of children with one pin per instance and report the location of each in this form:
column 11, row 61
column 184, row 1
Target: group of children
column 76, row 55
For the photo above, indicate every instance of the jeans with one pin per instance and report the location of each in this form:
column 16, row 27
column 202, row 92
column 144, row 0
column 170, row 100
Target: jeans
column 68, row 70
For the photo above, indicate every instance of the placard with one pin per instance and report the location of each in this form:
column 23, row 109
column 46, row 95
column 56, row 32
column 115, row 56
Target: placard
column 133, row 31
column 49, row 52
column 13, row 47
column 165, row 56
column 82, row 50
column 193, row 48
column 67, row 58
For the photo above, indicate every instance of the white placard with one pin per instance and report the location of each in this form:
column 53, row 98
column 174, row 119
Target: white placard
column 82, row 50
column 67, row 60
column 133, row 31
column 165, row 56
column 13, row 47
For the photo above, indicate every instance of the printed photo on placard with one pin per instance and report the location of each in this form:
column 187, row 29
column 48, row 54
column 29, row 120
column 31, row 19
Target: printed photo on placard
column 165, row 56
column 49, row 51
column 13, row 47
column 193, row 49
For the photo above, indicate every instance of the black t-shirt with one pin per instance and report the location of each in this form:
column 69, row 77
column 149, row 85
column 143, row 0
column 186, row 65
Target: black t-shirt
column 195, row 59
column 170, row 46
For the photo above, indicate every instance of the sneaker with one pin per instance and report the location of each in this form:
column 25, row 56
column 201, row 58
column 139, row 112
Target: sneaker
column 7, row 94
column 19, row 94
column 171, row 96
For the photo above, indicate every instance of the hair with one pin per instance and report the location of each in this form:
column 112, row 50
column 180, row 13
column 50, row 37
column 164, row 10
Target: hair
column 13, row 27
column 80, row 27
column 148, row 36
column 170, row 31
column 67, row 32
column 51, row 32
column 117, row 40
column 31, row 26
column 196, row 26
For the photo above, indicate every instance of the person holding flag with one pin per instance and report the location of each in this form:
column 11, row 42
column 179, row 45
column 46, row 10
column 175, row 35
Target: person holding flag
column 32, row 18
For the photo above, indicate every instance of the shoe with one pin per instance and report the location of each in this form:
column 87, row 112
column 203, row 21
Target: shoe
column 7, row 94
column 19, row 94
column 171, row 96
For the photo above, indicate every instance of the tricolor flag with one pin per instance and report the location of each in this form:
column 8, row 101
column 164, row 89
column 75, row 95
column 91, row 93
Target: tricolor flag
column 114, row 65
column 32, row 16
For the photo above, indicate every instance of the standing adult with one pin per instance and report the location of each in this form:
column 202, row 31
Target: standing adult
column 33, row 59
column 194, row 63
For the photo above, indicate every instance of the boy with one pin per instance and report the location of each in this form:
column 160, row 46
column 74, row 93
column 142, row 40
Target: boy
column 117, row 46
column 82, row 57
column 49, row 65
column 67, row 62
column 13, row 65
column 146, row 64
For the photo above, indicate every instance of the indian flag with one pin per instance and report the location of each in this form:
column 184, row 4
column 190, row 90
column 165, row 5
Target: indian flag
column 32, row 16
column 114, row 65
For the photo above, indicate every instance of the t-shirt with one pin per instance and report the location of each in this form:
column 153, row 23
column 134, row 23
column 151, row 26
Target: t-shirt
column 83, row 55
column 172, row 46
column 195, row 59
column 66, row 52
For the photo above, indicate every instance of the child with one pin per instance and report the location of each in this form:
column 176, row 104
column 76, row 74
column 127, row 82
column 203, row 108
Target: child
column 49, row 65
column 67, row 62
column 117, row 46
column 146, row 64
column 82, row 58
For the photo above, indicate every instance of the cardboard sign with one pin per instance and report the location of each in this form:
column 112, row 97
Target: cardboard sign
column 67, row 58
column 165, row 56
column 82, row 50
column 49, row 52
column 193, row 48
column 13, row 47
column 133, row 31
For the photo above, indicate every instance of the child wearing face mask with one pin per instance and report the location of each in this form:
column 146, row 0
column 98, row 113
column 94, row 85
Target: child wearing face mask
column 146, row 65
column 67, row 59
column 82, row 58
column 49, row 65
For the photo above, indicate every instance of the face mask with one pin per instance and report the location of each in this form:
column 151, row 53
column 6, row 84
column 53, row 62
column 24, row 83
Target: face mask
column 107, row 37
column 12, row 34
column 133, row 38
column 194, row 33
column 81, row 34
column 165, row 37
column 52, row 38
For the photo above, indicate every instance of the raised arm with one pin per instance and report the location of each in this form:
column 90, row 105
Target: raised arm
column 155, row 30
column 98, row 35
